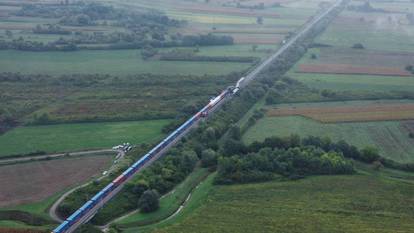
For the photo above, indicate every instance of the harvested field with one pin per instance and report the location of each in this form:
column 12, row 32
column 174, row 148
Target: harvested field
column 351, row 69
column 362, row 57
column 15, row 230
column 373, row 112
column 257, row 38
column 30, row 182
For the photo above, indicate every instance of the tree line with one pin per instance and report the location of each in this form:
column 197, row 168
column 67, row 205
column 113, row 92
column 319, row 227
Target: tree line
column 142, row 29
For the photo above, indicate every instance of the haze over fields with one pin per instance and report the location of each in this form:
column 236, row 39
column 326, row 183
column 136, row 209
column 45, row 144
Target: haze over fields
column 127, row 116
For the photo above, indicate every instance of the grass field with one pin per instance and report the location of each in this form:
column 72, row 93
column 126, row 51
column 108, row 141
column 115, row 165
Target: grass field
column 374, row 32
column 352, row 69
column 197, row 199
column 358, row 57
column 168, row 203
column 368, row 202
column 355, row 82
column 116, row 62
column 388, row 136
column 72, row 137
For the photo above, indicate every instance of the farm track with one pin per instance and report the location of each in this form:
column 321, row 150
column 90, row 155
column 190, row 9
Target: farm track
column 374, row 112
column 53, row 209
column 52, row 156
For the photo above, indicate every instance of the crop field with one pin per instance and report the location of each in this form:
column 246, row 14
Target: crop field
column 115, row 62
column 261, row 39
column 378, row 31
column 390, row 137
column 384, row 84
column 72, row 137
column 340, row 113
column 350, row 69
column 31, row 182
column 361, row 57
column 380, row 66
column 225, row 16
column 314, row 204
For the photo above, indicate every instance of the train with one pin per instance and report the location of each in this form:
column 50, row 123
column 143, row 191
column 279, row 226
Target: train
column 130, row 171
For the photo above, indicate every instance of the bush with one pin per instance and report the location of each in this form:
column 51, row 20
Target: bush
column 358, row 46
column 208, row 158
column 369, row 154
column 149, row 201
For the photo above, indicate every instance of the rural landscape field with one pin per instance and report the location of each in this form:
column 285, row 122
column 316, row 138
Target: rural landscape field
column 206, row 116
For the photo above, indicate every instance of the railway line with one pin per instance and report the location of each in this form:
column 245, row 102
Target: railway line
column 90, row 208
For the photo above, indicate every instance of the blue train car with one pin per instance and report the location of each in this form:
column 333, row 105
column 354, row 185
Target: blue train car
column 62, row 227
column 107, row 189
column 97, row 197
column 128, row 172
column 75, row 216
column 89, row 205
column 137, row 165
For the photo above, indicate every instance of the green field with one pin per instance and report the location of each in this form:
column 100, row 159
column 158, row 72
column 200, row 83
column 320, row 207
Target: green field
column 168, row 203
column 389, row 137
column 355, row 82
column 373, row 33
column 367, row 202
column 72, row 137
column 116, row 62
column 197, row 199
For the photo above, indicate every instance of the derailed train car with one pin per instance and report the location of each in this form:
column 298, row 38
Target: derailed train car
column 104, row 193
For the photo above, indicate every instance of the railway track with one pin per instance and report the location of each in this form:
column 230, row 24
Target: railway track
column 89, row 209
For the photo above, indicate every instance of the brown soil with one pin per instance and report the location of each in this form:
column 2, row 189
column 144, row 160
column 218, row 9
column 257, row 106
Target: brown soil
column 374, row 112
column 30, row 182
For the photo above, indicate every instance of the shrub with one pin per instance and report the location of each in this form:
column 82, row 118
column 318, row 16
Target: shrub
column 149, row 201
column 358, row 46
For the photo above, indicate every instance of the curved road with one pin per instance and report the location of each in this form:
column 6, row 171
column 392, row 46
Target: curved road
column 53, row 209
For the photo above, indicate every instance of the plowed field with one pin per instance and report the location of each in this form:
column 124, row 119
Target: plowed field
column 374, row 112
column 30, row 182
